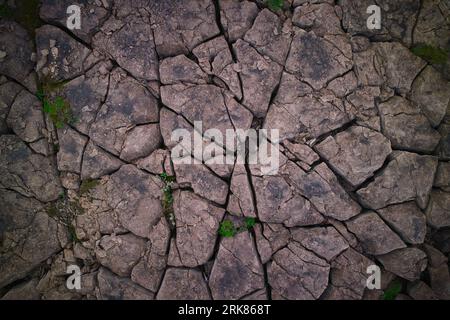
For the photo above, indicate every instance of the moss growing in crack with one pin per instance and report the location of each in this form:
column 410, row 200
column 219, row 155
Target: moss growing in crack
column 227, row 228
column 275, row 5
column 87, row 185
column 431, row 54
column 167, row 201
column 58, row 109
column 394, row 288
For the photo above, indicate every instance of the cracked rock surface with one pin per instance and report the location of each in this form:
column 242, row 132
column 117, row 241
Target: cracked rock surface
column 364, row 151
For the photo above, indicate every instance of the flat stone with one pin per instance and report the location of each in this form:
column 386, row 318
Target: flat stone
column 407, row 263
column 157, row 163
column 326, row 242
column 432, row 94
column 407, row 177
column 130, row 42
column 270, row 36
column 355, row 153
column 344, row 85
column 419, row 290
column 348, row 276
column 112, row 287
column 444, row 146
column 407, row 220
column 302, row 152
column 440, row 281
column 92, row 16
column 437, row 212
column 214, row 57
column 269, row 239
column 149, row 271
column 27, row 173
column 202, row 181
column 140, row 142
column 322, row 18
column 120, row 253
column 240, row 201
column 26, row 117
column 406, row 127
column 66, row 60
column 442, row 179
column 71, row 148
column 237, row 270
column 259, row 77
column 97, row 162
column 317, row 60
column 361, row 104
column 295, row 111
column 237, row 17
column 8, row 93
column 375, row 236
column 298, row 274
column 197, row 223
column 181, row 69
column 183, row 284
column 322, row 188
column 18, row 49
column 128, row 104
column 180, row 26
column 23, row 291
column 29, row 235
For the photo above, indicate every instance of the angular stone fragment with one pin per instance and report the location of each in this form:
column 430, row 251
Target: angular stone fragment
column 344, row 85
column 60, row 57
column 71, row 148
column 419, row 290
column 157, row 163
column 294, row 111
column 183, row 284
column 214, row 57
column 26, row 117
column 348, row 276
column 23, row 291
column 17, row 50
column 321, row 18
column 432, row 94
column 438, row 210
column 130, row 42
column 407, row 220
column 302, row 152
column 197, row 222
column 204, row 183
column 29, row 235
column 141, row 141
column 85, row 95
column 112, row 287
column 241, row 198
column 179, row 26
column 237, row 17
column 120, row 253
column 97, row 162
column 406, row 127
column 128, row 104
column 408, row 176
column 27, row 173
column 269, row 36
column 440, row 281
column 8, row 93
column 317, row 60
column 150, row 269
column 407, row 263
column 298, row 274
column 375, row 236
column 355, row 153
column 237, row 270
column 361, row 104
column 322, row 188
column 181, row 69
column 257, row 295
column 400, row 66
column 259, row 77
column 326, row 242
column 269, row 239
column 92, row 16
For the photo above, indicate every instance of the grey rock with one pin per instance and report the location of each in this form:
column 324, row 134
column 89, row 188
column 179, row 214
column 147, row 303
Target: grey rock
column 322, row 18
column 407, row 263
column 183, row 284
column 181, row 69
column 141, row 141
column 375, row 236
column 237, row 17
column 97, row 162
column 269, row 239
column 71, row 148
column 437, row 212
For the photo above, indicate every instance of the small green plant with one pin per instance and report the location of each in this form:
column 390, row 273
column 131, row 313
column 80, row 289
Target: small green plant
column 431, row 54
column 394, row 288
column 59, row 111
column 227, row 228
column 87, row 185
column 167, row 201
column 275, row 5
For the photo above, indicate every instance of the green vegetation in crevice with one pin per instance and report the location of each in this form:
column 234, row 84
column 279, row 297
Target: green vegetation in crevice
column 227, row 228
column 57, row 108
column 275, row 5
column 167, row 201
column 392, row 291
column 25, row 13
column 431, row 54
column 87, row 185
